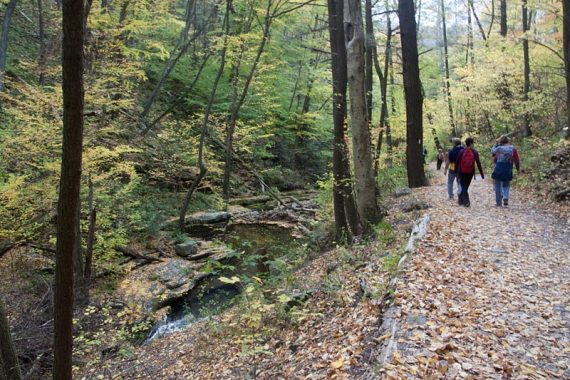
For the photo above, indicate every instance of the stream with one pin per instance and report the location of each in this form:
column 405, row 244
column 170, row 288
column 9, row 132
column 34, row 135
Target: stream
column 256, row 245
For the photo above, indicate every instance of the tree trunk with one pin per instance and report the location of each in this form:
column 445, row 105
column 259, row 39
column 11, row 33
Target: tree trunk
column 413, row 95
column 9, row 366
column 492, row 16
column 179, row 50
column 4, row 39
column 481, row 30
column 237, row 107
column 566, row 47
column 201, row 163
column 370, row 44
column 124, row 9
column 68, row 205
column 503, row 18
column 526, row 26
column 363, row 165
column 384, row 122
column 90, row 237
column 42, row 36
column 446, row 66
column 345, row 211
column 295, row 86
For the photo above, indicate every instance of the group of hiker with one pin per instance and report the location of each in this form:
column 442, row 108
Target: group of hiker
column 460, row 162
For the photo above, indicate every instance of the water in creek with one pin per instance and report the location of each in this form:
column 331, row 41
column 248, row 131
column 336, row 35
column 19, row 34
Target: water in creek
column 259, row 244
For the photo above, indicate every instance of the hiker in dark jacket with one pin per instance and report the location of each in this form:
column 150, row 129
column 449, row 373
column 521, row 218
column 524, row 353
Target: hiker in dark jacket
column 466, row 166
column 451, row 166
column 504, row 155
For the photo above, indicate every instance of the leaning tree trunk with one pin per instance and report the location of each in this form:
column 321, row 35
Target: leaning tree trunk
column 504, row 18
column 9, row 366
column 413, row 95
column 234, row 114
column 68, row 206
column 345, row 211
column 4, row 39
column 363, row 163
column 526, row 116
column 201, row 163
column 446, row 66
column 566, row 43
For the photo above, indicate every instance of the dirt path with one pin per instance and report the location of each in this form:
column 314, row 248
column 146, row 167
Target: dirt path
column 486, row 295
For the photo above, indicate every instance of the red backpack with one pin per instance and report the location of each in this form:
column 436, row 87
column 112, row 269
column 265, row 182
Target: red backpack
column 468, row 161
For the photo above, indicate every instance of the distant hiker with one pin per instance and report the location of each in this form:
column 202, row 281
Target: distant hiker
column 451, row 165
column 504, row 155
column 440, row 157
column 424, row 154
column 466, row 168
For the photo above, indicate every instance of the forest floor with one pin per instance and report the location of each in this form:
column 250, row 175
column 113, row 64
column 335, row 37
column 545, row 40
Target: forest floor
column 486, row 295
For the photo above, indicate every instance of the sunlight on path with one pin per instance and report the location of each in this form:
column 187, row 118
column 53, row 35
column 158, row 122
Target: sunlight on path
column 486, row 295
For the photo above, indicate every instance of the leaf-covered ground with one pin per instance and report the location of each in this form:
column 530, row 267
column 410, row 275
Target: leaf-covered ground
column 485, row 296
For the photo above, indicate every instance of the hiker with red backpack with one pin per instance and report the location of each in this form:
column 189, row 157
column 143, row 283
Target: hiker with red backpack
column 504, row 155
column 466, row 164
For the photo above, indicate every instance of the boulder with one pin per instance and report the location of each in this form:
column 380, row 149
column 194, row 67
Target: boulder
column 208, row 217
column 401, row 191
column 187, row 248
column 158, row 285
column 414, row 205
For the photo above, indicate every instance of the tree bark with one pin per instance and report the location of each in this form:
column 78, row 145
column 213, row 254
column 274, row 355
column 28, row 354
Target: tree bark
column 368, row 58
column 9, row 366
column 202, row 165
column 345, row 211
column 566, row 47
column 446, row 67
column 413, row 95
column 68, row 205
column 526, row 26
column 503, row 18
column 4, row 39
column 481, row 30
column 363, row 162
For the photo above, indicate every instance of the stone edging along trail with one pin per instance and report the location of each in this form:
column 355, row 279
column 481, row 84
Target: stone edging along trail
column 486, row 294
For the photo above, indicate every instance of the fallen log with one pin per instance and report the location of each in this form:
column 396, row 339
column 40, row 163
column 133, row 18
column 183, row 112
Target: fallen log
column 129, row 252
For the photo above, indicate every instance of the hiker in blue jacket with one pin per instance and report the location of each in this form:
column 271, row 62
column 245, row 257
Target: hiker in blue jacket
column 466, row 167
column 504, row 155
column 451, row 166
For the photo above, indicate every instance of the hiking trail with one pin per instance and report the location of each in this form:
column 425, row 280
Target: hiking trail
column 486, row 293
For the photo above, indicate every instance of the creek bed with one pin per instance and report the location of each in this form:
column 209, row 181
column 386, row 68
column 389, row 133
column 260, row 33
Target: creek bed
column 257, row 246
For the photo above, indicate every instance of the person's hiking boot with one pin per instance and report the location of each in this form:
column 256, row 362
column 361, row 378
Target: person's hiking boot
column 505, row 202
column 467, row 204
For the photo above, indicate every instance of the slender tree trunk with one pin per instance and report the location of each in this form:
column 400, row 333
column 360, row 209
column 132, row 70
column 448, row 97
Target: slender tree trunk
column 4, row 39
column 413, row 95
column 503, row 18
column 201, row 163
column 345, row 211
column 9, row 366
column 566, row 47
column 492, row 17
column 295, row 86
column 363, row 162
column 124, row 9
column 69, row 187
column 481, row 30
column 179, row 50
column 90, row 237
column 237, row 107
column 42, row 37
column 384, row 122
column 446, row 64
column 526, row 89
column 370, row 44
